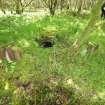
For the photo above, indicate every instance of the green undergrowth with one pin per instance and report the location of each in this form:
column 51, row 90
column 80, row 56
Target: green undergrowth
column 50, row 71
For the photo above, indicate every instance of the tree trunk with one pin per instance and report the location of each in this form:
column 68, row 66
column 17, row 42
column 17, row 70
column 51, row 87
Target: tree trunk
column 19, row 7
column 1, row 6
column 61, row 4
column 52, row 11
column 80, row 6
column 52, row 5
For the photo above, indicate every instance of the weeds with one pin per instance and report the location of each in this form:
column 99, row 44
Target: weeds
column 47, row 69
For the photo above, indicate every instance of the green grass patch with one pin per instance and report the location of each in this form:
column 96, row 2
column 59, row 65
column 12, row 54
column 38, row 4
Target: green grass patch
column 39, row 64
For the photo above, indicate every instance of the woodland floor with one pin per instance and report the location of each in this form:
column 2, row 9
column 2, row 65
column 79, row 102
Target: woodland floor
column 49, row 73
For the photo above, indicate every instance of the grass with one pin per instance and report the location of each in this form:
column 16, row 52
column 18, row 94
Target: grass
column 39, row 65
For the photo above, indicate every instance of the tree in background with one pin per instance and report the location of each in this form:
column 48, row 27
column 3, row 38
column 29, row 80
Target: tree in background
column 77, row 6
column 20, row 5
column 2, row 6
column 62, row 4
column 52, row 5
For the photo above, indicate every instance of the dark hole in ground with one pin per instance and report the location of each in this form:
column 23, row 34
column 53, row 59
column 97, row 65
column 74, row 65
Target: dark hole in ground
column 47, row 44
column 45, row 41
